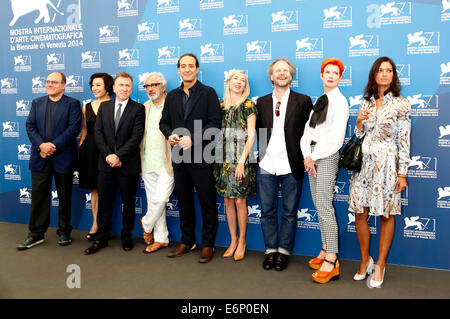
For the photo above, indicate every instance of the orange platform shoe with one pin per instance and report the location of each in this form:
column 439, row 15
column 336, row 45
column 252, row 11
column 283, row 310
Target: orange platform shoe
column 323, row 277
column 316, row 263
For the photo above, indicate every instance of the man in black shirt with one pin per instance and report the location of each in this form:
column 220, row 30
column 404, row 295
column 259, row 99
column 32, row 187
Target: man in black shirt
column 189, row 111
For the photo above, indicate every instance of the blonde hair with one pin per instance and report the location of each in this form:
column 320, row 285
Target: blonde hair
column 227, row 94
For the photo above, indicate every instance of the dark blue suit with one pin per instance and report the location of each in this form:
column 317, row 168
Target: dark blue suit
column 66, row 125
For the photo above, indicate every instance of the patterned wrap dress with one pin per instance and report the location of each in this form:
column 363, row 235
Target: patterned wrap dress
column 230, row 145
column 385, row 154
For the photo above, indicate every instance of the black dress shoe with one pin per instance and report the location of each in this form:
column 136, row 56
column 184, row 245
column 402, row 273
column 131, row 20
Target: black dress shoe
column 96, row 246
column 269, row 261
column 127, row 244
column 281, row 262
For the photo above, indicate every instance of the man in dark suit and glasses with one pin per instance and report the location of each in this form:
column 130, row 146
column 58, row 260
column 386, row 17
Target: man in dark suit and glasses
column 118, row 132
column 189, row 111
column 281, row 119
column 52, row 126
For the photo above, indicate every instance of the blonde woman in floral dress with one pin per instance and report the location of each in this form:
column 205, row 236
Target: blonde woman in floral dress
column 384, row 120
column 235, row 178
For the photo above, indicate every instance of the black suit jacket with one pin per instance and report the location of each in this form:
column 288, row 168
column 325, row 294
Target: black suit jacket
column 297, row 113
column 204, row 110
column 125, row 143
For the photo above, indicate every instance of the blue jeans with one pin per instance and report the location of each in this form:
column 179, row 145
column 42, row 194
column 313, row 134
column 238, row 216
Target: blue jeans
column 268, row 187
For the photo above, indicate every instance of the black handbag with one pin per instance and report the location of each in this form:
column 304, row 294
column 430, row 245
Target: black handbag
column 351, row 156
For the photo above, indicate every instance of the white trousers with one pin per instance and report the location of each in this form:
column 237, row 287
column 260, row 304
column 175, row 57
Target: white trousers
column 158, row 188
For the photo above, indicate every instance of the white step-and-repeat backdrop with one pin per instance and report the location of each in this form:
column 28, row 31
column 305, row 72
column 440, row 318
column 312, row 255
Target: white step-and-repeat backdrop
column 80, row 37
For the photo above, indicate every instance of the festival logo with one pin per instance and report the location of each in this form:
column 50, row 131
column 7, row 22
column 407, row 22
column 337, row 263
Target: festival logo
column 424, row 105
column 8, row 85
column 254, row 214
column 422, row 167
column 353, row 103
column 346, row 79
column 21, row 8
column 211, row 4
column 221, row 214
column 445, row 73
column 419, row 227
column 444, row 136
column 168, row 6
column 395, row 12
column 285, row 20
column 309, row 48
column 364, row 45
column 23, row 107
column 76, row 178
column 212, row 53
column 55, row 198
column 172, row 208
column 87, row 202
column 55, row 61
column 12, row 172
column 128, row 57
column 10, row 129
column 443, row 200
column 235, row 24
column 445, row 12
column 148, row 31
column 38, row 84
column 90, row 60
column 108, row 34
column 371, row 220
column 422, row 42
column 404, row 73
column 190, row 28
column 23, row 152
column 341, row 192
column 142, row 77
column 307, row 218
column 258, row 51
column 74, row 83
column 168, row 55
column 127, row 8
column 337, row 17
column 22, row 63
column 25, row 195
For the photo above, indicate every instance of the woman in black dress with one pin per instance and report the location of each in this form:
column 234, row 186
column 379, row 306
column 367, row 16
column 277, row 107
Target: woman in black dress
column 102, row 88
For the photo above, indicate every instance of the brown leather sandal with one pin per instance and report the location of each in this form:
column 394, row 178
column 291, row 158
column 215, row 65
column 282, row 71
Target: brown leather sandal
column 148, row 237
column 154, row 247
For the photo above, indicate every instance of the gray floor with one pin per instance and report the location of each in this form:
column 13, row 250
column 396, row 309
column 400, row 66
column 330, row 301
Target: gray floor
column 41, row 272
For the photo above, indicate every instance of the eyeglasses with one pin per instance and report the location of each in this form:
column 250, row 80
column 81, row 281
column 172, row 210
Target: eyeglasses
column 52, row 82
column 277, row 109
column 153, row 85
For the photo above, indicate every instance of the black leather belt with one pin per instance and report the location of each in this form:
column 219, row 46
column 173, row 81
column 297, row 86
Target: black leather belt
column 313, row 143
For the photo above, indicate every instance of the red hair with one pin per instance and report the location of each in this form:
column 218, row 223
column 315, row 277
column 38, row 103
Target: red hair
column 332, row 61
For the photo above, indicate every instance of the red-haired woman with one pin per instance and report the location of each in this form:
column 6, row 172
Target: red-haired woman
column 385, row 120
column 323, row 137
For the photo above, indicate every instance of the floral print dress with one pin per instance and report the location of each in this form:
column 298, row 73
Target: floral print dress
column 385, row 154
column 230, row 145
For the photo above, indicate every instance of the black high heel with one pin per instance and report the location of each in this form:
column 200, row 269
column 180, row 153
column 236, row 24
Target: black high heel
column 91, row 236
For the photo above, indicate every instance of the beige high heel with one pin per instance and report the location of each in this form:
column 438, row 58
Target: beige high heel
column 229, row 252
column 239, row 254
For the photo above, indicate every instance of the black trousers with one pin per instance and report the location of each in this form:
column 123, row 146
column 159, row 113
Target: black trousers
column 186, row 178
column 108, row 182
column 41, row 187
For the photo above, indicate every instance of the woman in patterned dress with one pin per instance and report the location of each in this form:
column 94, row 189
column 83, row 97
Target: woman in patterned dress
column 102, row 88
column 384, row 120
column 235, row 178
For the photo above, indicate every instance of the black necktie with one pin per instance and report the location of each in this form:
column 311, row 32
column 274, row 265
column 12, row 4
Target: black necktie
column 118, row 115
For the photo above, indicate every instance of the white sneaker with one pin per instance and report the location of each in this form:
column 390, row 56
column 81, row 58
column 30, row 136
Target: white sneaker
column 368, row 271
